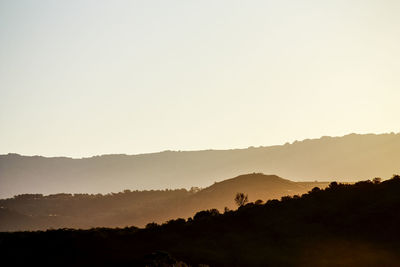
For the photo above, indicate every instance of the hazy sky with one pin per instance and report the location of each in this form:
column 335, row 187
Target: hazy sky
column 82, row 78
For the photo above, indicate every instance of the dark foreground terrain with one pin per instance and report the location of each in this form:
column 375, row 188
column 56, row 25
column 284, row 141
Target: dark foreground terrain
column 343, row 225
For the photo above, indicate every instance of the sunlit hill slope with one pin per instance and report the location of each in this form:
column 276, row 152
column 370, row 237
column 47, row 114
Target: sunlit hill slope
column 34, row 211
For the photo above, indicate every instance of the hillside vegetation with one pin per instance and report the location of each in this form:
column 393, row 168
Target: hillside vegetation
column 343, row 225
column 38, row 212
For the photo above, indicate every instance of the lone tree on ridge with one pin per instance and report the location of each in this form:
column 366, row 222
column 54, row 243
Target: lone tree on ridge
column 241, row 199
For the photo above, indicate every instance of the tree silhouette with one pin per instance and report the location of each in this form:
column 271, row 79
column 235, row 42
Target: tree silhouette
column 377, row 180
column 241, row 199
column 259, row 202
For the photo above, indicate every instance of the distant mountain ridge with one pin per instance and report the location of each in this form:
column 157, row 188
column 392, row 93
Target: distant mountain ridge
column 353, row 157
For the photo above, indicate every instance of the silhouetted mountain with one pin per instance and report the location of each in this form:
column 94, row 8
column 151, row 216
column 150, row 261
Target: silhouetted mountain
column 256, row 185
column 343, row 225
column 341, row 158
column 35, row 211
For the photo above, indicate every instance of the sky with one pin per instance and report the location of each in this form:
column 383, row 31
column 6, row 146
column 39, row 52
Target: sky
column 83, row 78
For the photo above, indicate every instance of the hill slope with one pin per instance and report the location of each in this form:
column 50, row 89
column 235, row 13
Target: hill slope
column 343, row 225
column 328, row 158
column 256, row 185
column 34, row 212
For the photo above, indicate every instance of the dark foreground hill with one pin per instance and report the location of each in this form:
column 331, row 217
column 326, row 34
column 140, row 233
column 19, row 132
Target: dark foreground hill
column 348, row 158
column 343, row 225
column 38, row 212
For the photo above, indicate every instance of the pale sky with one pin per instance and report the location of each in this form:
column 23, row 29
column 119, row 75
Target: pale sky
column 83, row 78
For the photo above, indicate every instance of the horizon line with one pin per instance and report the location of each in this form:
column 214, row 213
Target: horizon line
column 201, row 150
